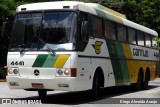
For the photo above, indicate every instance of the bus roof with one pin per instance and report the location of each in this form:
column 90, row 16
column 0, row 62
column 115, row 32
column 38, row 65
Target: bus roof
column 92, row 8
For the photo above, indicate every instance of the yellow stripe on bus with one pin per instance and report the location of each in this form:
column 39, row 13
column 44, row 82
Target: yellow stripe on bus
column 135, row 65
column 119, row 20
column 61, row 60
column 128, row 55
column 127, row 51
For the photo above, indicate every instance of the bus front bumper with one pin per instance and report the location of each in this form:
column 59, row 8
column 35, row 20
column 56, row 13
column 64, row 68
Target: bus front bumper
column 57, row 83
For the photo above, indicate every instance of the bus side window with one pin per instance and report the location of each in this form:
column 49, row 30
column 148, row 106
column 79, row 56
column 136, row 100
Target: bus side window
column 140, row 38
column 147, row 40
column 107, row 29
column 97, row 26
column 121, row 31
column 154, row 43
column 113, row 30
column 84, row 33
column 132, row 36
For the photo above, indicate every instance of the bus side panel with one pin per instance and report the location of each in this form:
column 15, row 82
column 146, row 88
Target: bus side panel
column 87, row 68
column 119, row 64
column 83, row 75
column 96, row 55
column 105, row 65
column 135, row 65
column 137, row 60
column 132, row 65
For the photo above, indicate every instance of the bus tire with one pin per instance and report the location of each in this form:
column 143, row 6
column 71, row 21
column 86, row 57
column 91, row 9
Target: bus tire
column 138, row 86
column 95, row 87
column 42, row 94
column 145, row 83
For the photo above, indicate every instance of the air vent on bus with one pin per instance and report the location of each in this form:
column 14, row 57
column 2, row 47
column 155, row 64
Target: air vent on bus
column 23, row 8
column 66, row 7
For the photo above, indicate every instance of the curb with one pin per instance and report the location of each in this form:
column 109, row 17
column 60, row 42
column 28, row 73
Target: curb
column 2, row 80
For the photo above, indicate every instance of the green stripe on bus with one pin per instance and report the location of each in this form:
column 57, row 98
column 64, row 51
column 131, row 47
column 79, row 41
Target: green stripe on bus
column 115, row 62
column 120, row 66
column 40, row 60
column 117, row 70
column 105, row 15
column 123, row 63
column 108, row 16
column 50, row 60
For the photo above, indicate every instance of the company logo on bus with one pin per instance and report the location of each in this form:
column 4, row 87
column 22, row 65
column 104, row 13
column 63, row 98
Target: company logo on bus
column 97, row 47
column 36, row 72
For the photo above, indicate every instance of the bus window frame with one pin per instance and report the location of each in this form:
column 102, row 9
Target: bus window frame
column 153, row 47
column 115, row 30
column 118, row 33
column 129, row 36
column 105, row 29
column 145, row 35
column 89, row 33
column 102, row 19
column 138, row 38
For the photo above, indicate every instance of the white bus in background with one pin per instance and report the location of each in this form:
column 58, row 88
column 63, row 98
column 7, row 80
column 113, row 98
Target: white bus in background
column 76, row 46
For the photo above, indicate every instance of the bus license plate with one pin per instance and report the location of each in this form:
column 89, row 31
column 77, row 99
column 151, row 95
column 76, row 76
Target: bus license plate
column 37, row 85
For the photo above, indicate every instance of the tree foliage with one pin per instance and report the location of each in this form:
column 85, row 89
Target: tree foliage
column 145, row 12
column 8, row 7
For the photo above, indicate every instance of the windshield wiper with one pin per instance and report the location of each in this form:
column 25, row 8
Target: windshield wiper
column 20, row 46
column 42, row 41
column 23, row 46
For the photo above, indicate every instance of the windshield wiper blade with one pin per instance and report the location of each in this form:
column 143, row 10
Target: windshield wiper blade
column 23, row 46
column 42, row 41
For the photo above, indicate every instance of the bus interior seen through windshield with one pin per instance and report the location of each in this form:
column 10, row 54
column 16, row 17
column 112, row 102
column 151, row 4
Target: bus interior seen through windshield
column 37, row 31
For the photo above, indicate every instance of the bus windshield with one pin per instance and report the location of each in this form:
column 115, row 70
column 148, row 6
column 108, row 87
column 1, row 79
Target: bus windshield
column 57, row 30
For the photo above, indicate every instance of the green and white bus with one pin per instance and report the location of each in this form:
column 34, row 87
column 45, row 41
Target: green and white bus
column 76, row 46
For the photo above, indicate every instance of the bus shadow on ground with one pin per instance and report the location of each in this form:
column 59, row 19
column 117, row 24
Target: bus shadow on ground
column 74, row 98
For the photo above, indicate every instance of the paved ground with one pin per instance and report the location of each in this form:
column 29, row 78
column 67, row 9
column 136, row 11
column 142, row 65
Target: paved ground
column 110, row 95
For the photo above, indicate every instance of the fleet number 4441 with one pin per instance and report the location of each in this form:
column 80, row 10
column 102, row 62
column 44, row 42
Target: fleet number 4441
column 17, row 63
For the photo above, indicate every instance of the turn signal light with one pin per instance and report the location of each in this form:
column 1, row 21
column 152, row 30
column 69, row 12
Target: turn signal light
column 73, row 72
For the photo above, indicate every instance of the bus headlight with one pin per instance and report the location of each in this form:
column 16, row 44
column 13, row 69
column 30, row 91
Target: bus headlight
column 59, row 72
column 67, row 72
column 16, row 71
column 72, row 72
column 10, row 71
column 13, row 71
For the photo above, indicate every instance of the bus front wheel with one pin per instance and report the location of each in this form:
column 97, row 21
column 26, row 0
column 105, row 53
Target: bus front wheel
column 42, row 94
column 95, row 87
